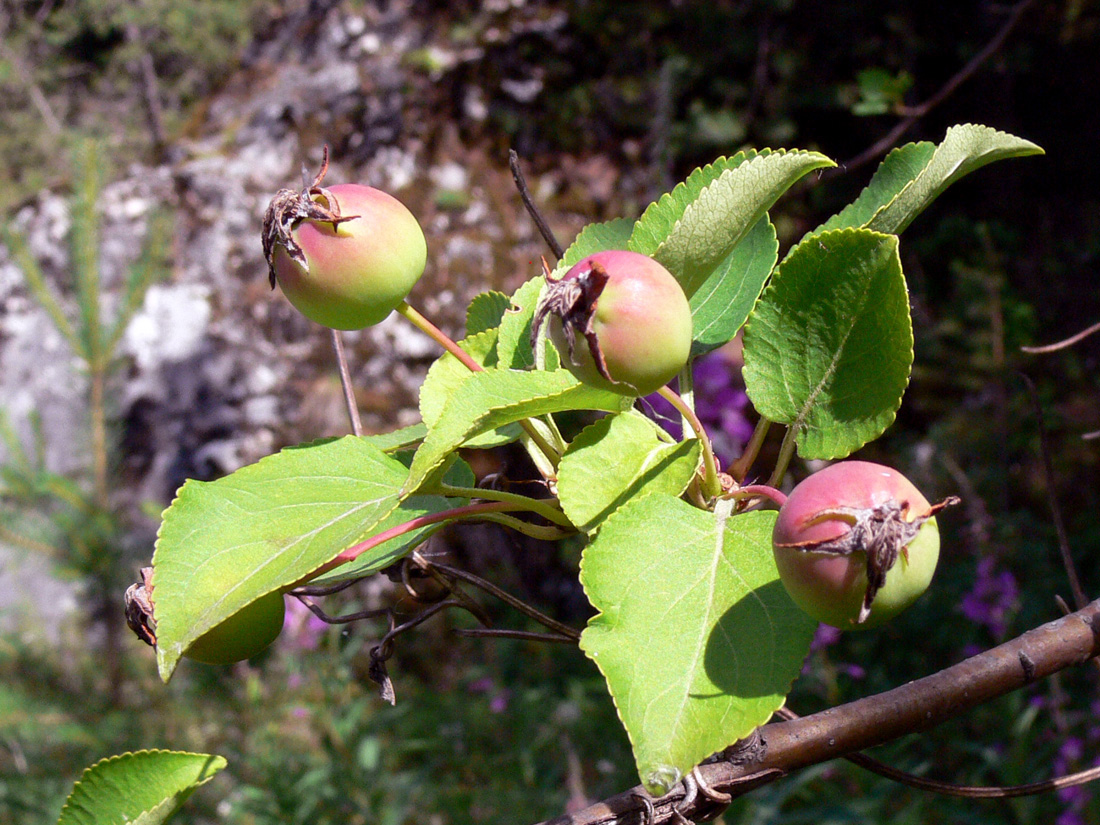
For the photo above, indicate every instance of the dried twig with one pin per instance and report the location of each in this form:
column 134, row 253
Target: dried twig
column 1079, row 597
column 1067, row 342
column 529, row 203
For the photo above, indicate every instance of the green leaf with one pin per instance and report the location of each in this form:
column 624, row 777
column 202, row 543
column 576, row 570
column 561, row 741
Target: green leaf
column 897, row 170
column 458, row 474
column 223, row 544
column 695, row 635
column 596, row 237
column 497, row 397
column 721, row 305
column 829, row 347
column 618, row 459
column 382, row 556
column 485, row 312
column 726, row 210
column 964, row 149
column 143, row 788
column 398, row 439
column 447, row 374
column 514, row 343
column 661, row 216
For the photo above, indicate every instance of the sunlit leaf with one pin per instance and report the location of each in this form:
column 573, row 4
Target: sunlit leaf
column 695, row 635
column 142, row 788
column 829, row 347
column 618, row 459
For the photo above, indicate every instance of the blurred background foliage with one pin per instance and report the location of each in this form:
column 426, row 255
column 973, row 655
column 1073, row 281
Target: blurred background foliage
column 507, row 731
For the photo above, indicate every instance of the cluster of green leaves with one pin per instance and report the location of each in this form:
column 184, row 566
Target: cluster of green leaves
column 695, row 636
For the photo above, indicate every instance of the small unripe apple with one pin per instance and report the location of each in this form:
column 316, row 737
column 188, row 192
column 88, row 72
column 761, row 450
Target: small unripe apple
column 357, row 270
column 856, row 543
column 243, row 635
column 620, row 320
column 346, row 256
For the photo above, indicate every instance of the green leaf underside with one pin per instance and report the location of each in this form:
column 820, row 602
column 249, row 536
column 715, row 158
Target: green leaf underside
column 382, row 556
column 486, row 311
column 618, row 459
column 726, row 210
column 494, row 398
column 897, row 170
column 223, row 544
column 721, row 305
column 514, row 343
column 398, row 439
column 447, row 374
column 965, row 148
column 146, row 787
column 695, row 635
column 661, row 216
column 596, row 237
column 457, row 473
column 830, row 345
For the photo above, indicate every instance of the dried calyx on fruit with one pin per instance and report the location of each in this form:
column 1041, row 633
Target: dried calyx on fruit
column 839, row 538
column 621, row 321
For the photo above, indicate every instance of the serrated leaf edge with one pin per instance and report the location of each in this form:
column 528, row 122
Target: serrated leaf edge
column 215, row 759
column 699, row 179
column 760, row 157
column 800, row 420
column 722, row 513
column 490, row 294
column 1026, row 149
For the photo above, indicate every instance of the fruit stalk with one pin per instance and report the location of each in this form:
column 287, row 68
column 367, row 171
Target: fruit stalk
column 441, row 338
column 711, row 486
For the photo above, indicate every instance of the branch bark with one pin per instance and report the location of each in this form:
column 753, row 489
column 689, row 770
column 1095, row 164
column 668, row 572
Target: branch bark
column 783, row 747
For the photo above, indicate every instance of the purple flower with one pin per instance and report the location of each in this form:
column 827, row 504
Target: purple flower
column 498, row 699
column 1070, row 752
column 852, row 671
column 301, row 629
column 824, row 636
column 994, row 597
column 499, row 702
column 720, row 403
column 1069, row 817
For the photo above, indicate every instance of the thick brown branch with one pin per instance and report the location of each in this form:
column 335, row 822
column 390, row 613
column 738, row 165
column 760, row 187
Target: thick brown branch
column 874, row 720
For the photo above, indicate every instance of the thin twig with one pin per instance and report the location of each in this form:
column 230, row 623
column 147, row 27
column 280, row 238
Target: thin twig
column 386, row 643
column 1068, row 342
column 325, row 589
column 1079, row 597
column 915, row 113
column 345, row 383
column 525, row 635
column 529, row 203
column 426, row 566
column 510, row 600
column 346, row 618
